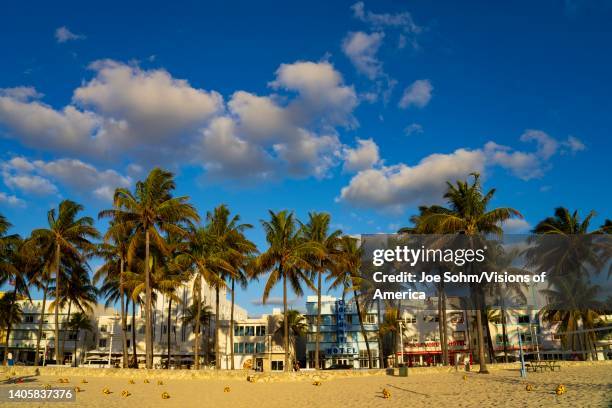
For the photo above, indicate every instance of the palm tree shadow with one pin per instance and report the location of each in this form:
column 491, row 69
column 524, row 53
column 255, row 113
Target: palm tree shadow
column 407, row 390
column 24, row 380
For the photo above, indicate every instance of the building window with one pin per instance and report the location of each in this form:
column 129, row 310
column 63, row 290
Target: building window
column 260, row 348
column 371, row 318
column 526, row 337
column 249, row 348
column 459, row 335
column 141, row 329
column 456, row 317
column 431, row 318
column 260, row 330
column 501, row 339
column 239, row 348
column 72, row 336
column 102, row 343
column 44, row 336
column 523, row 319
column 103, row 328
column 349, row 319
column 129, row 327
column 410, row 320
column 277, row 365
column 128, row 343
column 28, row 318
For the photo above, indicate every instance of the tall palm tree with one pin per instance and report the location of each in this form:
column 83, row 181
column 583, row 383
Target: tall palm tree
column 11, row 314
column 16, row 269
column 208, row 266
column 298, row 327
column 115, row 251
column 468, row 214
column 149, row 210
column 237, row 251
column 79, row 322
column 69, row 235
column 317, row 231
column 288, row 259
column 203, row 317
column 77, row 291
column 346, row 274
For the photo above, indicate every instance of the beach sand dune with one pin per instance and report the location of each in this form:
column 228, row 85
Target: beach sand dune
column 587, row 386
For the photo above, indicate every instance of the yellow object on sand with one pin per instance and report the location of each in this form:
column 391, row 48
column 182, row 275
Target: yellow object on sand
column 160, row 382
column 529, row 387
column 226, row 389
column 83, row 381
column 251, row 378
column 386, row 393
column 125, row 393
column 560, row 389
column 106, row 391
column 317, row 383
column 146, row 381
column 465, row 378
column 165, row 395
column 77, row 389
column 47, row 386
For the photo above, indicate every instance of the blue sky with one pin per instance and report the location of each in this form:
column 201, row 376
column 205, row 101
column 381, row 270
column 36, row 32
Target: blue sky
column 361, row 109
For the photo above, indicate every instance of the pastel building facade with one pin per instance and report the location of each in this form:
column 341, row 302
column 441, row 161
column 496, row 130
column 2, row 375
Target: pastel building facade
column 341, row 339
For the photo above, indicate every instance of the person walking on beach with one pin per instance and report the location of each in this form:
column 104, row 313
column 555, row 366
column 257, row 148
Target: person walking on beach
column 9, row 358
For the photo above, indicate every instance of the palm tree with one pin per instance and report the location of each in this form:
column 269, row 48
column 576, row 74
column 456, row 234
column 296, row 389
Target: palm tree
column 115, row 252
column 149, row 210
column 347, row 274
column 79, row 322
column 297, row 324
column 208, row 263
column 317, row 231
column 573, row 300
column 203, row 317
column 10, row 315
column 65, row 235
column 287, row 258
column 237, row 251
column 16, row 269
column 468, row 214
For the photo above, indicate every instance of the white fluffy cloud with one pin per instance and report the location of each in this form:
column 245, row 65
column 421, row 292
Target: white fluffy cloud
column 11, row 200
column 39, row 177
column 413, row 128
column 574, row 144
column 362, row 157
column 398, row 186
column 417, row 94
column 126, row 112
column 394, row 187
column 402, row 20
column 516, row 226
column 63, row 34
column 361, row 48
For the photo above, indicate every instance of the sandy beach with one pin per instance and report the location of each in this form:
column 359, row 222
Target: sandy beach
column 587, row 386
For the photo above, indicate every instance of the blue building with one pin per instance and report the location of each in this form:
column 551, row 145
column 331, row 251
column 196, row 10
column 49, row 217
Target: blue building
column 341, row 339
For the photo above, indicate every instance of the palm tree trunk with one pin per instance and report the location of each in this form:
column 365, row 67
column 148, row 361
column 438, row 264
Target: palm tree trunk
column 217, row 351
column 504, row 330
column 148, row 328
column 231, row 329
column 74, row 352
column 441, row 323
column 479, row 333
column 444, row 328
column 198, row 309
column 57, row 296
column 363, row 331
column 168, row 324
column 123, row 314
column 317, row 339
column 66, row 330
column 134, row 347
column 285, row 321
column 381, row 357
column 40, row 325
column 8, row 325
